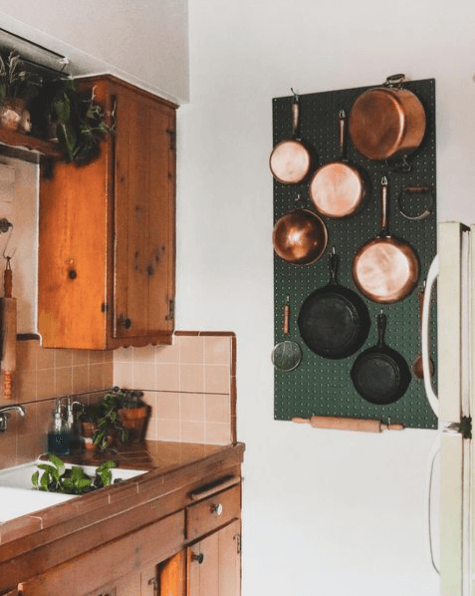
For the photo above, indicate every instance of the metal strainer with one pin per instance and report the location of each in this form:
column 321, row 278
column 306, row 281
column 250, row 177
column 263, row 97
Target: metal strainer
column 286, row 355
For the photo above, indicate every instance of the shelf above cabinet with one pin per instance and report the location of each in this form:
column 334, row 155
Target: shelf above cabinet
column 21, row 141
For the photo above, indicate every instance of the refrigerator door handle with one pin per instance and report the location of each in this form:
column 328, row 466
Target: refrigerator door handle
column 430, row 283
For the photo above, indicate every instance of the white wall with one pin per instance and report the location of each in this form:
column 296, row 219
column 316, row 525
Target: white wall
column 324, row 512
column 144, row 42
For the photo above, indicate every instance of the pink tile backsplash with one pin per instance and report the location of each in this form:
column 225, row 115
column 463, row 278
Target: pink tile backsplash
column 190, row 386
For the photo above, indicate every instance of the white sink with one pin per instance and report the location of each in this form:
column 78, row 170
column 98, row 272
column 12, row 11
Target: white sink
column 19, row 497
column 18, row 501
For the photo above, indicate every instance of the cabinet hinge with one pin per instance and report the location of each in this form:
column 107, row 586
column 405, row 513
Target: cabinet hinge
column 171, row 310
column 172, row 136
column 464, row 427
column 237, row 538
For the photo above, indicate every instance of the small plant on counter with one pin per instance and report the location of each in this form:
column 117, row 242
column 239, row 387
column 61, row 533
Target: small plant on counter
column 114, row 411
column 57, row 478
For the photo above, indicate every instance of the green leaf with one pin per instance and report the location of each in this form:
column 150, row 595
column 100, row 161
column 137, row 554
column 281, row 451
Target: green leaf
column 62, row 107
column 61, row 468
column 34, row 478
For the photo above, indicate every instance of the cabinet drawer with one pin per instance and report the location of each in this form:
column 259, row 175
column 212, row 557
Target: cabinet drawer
column 213, row 512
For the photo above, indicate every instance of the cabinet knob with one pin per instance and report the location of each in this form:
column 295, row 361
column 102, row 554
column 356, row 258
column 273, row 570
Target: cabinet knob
column 124, row 322
column 72, row 274
column 199, row 558
column 217, row 509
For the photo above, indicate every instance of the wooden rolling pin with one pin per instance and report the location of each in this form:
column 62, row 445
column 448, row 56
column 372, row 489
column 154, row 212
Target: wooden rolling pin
column 9, row 329
column 340, row 423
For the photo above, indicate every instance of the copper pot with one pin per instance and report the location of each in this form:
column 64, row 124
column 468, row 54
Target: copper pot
column 300, row 237
column 385, row 269
column 388, row 121
column 338, row 189
column 292, row 160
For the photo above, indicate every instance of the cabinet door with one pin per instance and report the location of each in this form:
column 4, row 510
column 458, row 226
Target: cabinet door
column 214, row 563
column 144, row 217
column 165, row 579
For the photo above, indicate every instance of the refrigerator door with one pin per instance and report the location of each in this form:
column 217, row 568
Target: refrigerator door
column 451, row 402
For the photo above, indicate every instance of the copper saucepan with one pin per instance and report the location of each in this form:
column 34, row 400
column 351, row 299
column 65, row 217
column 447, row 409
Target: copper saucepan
column 338, row 188
column 388, row 121
column 300, row 236
column 385, row 269
column 292, row 160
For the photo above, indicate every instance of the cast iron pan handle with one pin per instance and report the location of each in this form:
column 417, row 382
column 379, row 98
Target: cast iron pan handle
column 381, row 321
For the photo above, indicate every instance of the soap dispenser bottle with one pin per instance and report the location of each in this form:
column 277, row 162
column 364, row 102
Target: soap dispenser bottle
column 58, row 436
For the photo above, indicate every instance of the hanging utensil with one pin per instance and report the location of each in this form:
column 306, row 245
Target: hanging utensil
column 300, row 236
column 387, row 121
column 417, row 368
column 418, row 190
column 343, row 423
column 380, row 374
column 385, row 269
column 292, row 160
column 286, row 355
column 334, row 321
column 9, row 330
column 338, row 189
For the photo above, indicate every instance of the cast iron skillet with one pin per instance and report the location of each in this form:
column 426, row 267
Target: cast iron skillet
column 380, row 374
column 334, row 321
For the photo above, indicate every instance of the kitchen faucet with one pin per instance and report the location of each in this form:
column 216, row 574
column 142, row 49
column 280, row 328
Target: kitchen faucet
column 4, row 415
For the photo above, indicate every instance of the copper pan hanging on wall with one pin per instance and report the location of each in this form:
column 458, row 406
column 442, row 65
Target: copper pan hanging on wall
column 338, row 189
column 292, row 160
column 385, row 269
column 300, row 236
column 388, row 121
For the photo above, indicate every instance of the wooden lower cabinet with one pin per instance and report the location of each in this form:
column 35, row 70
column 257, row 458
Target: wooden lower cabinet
column 214, row 563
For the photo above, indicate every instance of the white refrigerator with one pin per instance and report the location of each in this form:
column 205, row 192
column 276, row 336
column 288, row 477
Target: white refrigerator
column 451, row 276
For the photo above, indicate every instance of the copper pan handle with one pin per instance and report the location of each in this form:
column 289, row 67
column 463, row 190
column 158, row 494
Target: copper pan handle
column 384, row 206
column 285, row 324
column 295, row 115
column 342, row 126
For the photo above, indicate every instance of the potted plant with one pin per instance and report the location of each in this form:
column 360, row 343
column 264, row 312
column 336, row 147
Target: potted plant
column 120, row 415
column 17, row 87
column 75, row 120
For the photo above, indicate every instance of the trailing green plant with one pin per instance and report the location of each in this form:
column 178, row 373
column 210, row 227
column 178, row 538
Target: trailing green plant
column 78, row 121
column 56, row 477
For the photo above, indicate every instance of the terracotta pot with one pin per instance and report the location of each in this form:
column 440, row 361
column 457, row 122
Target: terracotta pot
column 88, row 430
column 134, row 420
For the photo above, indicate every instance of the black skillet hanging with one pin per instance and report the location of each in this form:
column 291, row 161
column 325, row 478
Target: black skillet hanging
column 380, row 374
column 334, row 321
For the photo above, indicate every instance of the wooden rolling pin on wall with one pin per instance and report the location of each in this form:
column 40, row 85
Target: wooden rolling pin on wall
column 342, row 423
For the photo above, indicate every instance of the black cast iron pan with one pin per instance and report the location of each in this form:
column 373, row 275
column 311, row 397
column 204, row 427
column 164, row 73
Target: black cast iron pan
column 334, row 321
column 380, row 374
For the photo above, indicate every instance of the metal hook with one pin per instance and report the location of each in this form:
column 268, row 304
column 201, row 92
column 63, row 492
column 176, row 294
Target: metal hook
column 5, row 256
column 296, row 96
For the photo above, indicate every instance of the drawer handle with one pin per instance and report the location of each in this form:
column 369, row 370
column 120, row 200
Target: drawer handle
column 217, row 509
column 199, row 558
column 207, row 491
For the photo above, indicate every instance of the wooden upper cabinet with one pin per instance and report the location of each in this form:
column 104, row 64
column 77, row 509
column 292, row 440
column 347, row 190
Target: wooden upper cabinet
column 107, row 231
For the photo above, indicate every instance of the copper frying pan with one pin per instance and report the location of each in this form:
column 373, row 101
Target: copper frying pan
column 300, row 236
column 385, row 269
column 338, row 188
column 387, row 121
column 291, row 160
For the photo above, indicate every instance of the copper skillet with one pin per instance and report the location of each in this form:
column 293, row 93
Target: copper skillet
column 338, row 189
column 292, row 160
column 385, row 269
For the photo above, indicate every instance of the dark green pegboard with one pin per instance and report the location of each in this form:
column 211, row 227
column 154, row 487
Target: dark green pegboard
column 320, row 386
